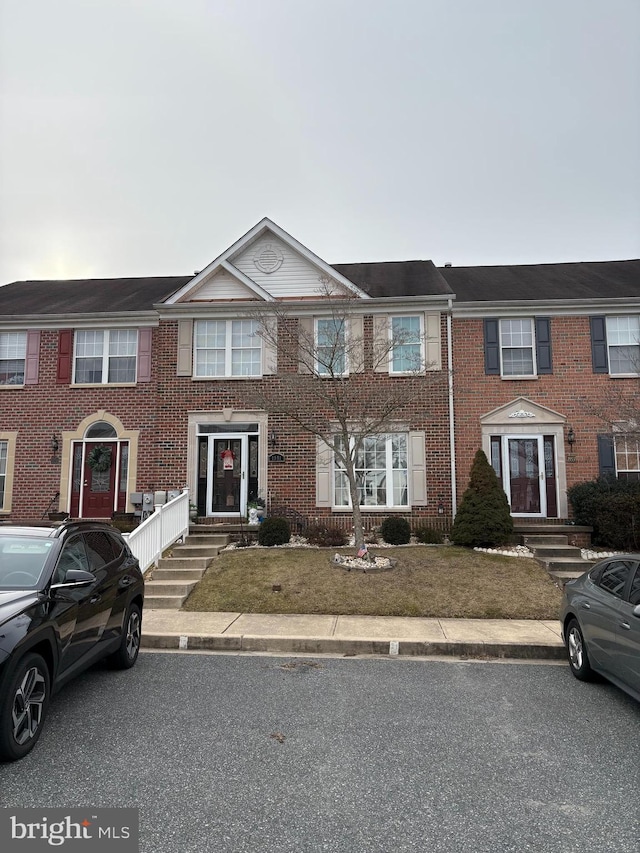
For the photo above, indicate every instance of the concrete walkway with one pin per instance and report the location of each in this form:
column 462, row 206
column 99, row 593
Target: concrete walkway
column 352, row 635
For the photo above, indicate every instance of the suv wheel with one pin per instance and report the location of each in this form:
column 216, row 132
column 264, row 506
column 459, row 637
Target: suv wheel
column 127, row 654
column 24, row 707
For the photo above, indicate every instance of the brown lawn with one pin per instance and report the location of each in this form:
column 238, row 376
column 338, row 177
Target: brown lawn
column 435, row 581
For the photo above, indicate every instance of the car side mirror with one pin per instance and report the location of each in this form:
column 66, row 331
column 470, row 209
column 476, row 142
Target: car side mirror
column 636, row 610
column 75, row 577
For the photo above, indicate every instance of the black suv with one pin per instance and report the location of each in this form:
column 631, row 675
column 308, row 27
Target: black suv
column 69, row 595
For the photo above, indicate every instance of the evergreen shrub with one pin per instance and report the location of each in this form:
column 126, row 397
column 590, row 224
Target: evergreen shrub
column 395, row 530
column 274, row 531
column 483, row 519
column 612, row 508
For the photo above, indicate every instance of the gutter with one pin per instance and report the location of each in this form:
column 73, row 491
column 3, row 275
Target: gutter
column 452, row 430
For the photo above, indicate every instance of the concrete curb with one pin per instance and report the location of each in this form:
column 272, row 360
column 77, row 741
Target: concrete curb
column 349, row 647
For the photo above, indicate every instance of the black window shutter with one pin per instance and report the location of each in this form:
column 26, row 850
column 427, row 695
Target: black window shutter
column 543, row 344
column 491, row 347
column 606, row 456
column 599, row 345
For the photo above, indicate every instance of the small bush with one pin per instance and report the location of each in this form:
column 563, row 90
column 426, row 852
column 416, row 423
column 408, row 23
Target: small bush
column 326, row 535
column 428, row 535
column 396, row 530
column 274, row 531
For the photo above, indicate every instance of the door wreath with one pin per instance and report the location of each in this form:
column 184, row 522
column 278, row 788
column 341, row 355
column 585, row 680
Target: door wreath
column 100, row 458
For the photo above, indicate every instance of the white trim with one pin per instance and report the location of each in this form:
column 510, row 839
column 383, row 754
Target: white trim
column 421, row 343
column 546, row 307
column 248, row 282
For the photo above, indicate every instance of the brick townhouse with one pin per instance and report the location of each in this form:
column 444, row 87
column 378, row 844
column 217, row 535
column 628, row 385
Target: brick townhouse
column 116, row 387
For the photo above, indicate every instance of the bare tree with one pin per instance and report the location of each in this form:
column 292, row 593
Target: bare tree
column 325, row 382
column 619, row 408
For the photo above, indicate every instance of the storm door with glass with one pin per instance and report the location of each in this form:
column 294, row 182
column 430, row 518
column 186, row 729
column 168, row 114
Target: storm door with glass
column 525, row 475
column 227, row 492
column 526, row 467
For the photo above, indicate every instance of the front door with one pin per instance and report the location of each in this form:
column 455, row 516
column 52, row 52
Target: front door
column 99, row 484
column 227, row 481
column 525, row 475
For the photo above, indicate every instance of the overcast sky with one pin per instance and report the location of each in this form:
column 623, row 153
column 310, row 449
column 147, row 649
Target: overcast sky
column 143, row 137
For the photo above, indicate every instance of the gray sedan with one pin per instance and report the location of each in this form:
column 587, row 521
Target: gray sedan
column 601, row 622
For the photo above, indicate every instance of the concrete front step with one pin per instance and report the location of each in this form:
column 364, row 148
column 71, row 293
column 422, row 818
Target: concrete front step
column 545, row 552
column 203, row 539
column 185, row 563
column 189, row 550
column 172, row 574
column 563, row 577
column 163, row 602
column 566, row 564
column 539, row 540
column 168, row 587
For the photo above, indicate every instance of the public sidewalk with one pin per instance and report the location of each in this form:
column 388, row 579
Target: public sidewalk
column 352, row 635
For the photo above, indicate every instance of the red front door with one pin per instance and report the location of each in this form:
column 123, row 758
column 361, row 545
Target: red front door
column 99, row 484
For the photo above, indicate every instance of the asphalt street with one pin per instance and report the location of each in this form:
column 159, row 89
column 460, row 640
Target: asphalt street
column 264, row 754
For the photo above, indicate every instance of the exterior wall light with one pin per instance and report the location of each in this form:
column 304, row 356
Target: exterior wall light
column 571, row 438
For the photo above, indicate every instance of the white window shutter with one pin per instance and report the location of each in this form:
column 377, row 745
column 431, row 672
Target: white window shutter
column 324, row 464
column 381, row 354
column 185, row 348
column 269, row 349
column 418, row 462
column 355, row 345
column 306, row 332
column 432, row 349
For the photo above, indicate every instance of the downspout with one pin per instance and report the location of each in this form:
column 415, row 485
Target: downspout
column 452, row 430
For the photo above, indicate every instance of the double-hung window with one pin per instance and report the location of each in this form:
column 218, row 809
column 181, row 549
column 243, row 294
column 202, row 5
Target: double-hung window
column 382, row 472
column 517, row 347
column 331, row 346
column 227, row 348
column 13, row 350
column 105, row 356
column 407, row 335
column 623, row 340
column 627, row 457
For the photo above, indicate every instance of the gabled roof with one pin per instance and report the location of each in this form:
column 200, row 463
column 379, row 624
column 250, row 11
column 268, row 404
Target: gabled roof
column 397, row 278
column 537, row 282
column 87, row 295
column 225, row 262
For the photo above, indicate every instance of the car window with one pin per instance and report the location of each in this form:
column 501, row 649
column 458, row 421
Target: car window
column 634, row 595
column 614, row 577
column 100, row 548
column 72, row 556
column 22, row 560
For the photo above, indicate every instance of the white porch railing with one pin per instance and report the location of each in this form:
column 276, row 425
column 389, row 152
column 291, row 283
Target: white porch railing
column 168, row 523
